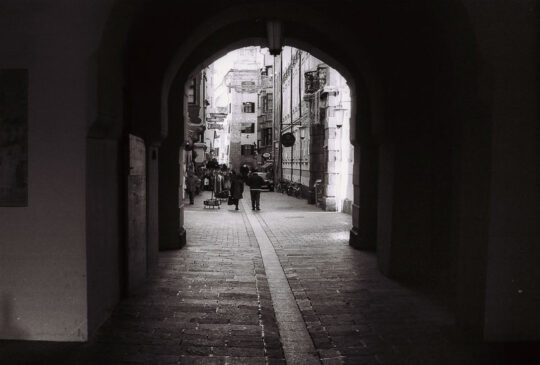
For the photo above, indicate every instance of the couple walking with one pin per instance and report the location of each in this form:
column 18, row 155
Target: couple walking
column 254, row 181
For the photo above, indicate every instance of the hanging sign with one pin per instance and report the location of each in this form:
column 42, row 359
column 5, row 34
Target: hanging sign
column 214, row 126
column 266, row 155
column 287, row 139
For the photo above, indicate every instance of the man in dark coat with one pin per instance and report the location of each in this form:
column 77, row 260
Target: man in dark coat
column 237, row 188
column 255, row 183
column 191, row 185
column 244, row 171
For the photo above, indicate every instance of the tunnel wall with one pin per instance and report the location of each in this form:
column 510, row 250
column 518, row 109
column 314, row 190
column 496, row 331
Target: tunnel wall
column 43, row 277
column 447, row 122
column 103, row 230
column 510, row 77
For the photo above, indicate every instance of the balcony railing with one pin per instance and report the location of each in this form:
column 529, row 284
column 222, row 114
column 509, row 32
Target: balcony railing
column 312, row 81
column 315, row 80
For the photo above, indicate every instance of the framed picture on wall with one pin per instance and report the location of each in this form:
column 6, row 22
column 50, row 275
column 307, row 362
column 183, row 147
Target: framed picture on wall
column 13, row 138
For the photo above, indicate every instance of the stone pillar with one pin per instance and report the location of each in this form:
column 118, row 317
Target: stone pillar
column 137, row 215
column 405, row 210
column 331, row 176
column 385, row 192
column 105, row 184
column 364, row 210
column 172, row 234
column 500, row 198
column 332, row 155
column 180, row 188
column 152, row 205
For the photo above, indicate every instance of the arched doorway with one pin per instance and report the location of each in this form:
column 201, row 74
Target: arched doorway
column 403, row 201
column 453, row 160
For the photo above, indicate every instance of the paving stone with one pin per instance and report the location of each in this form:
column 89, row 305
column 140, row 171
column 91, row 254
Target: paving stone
column 332, row 361
column 212, row 301
column 239, row 360
column 201, row 360
column 239, row 351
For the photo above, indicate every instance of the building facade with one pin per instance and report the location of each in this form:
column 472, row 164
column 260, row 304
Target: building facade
column 265, row 116
column 196, row 104
column 314, row 106
column 446, row 147
column 242, row 82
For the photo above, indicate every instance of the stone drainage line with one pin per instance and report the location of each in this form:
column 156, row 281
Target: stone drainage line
column 297, row 344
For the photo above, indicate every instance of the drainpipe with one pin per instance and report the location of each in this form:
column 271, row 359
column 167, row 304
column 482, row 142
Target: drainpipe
column 281, row 114
column 273, row 155
column 300, row 109
column 292, row 147
column 300, row 162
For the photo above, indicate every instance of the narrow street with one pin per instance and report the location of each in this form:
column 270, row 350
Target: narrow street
column 213, row 302
column 276, row 286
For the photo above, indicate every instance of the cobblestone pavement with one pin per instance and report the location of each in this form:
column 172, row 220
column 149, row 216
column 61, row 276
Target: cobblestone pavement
column 208, row 303
column 353, row 313
column 213, row 301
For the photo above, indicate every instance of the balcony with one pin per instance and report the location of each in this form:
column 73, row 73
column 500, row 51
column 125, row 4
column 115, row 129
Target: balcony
column 311, row 84
column 315, row 80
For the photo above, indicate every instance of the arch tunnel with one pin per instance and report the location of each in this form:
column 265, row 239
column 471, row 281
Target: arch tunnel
column 444, row 175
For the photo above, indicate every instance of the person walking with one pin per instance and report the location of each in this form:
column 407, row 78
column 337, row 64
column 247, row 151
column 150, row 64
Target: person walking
column 237, row 188
column 227, row 181
column 255, row 183
column 244, row 171
column 191, row 185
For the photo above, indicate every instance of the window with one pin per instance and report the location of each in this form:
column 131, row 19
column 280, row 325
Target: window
column 247, row 128
column 247, row 150
column 248, row 107
column 267, row 136
column 191, row 92
column 262, row 101
column 269, row 102
column 322, row 115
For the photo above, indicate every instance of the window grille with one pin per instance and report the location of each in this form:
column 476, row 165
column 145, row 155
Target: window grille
column 311, row 81
column 247, row 150
column 269, row 102
column 248, row 107
column 191, row 92
column 247, row 128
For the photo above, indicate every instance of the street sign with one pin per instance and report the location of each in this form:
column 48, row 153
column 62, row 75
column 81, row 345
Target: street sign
column 287, row 139
column 214, row 126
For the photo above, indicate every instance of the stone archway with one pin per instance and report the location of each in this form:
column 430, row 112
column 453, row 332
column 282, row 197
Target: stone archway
column 176, row 90
column 233, row 23
column 405, row 202
column 450, row 96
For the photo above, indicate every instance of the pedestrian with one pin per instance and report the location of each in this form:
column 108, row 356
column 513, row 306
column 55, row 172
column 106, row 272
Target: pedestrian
column 191, row 186
column 244, row 171
column 218, row 183
column 197, row 184
column 227, row 181
column 207, row 181
column 255, row 183
column 237, row 188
